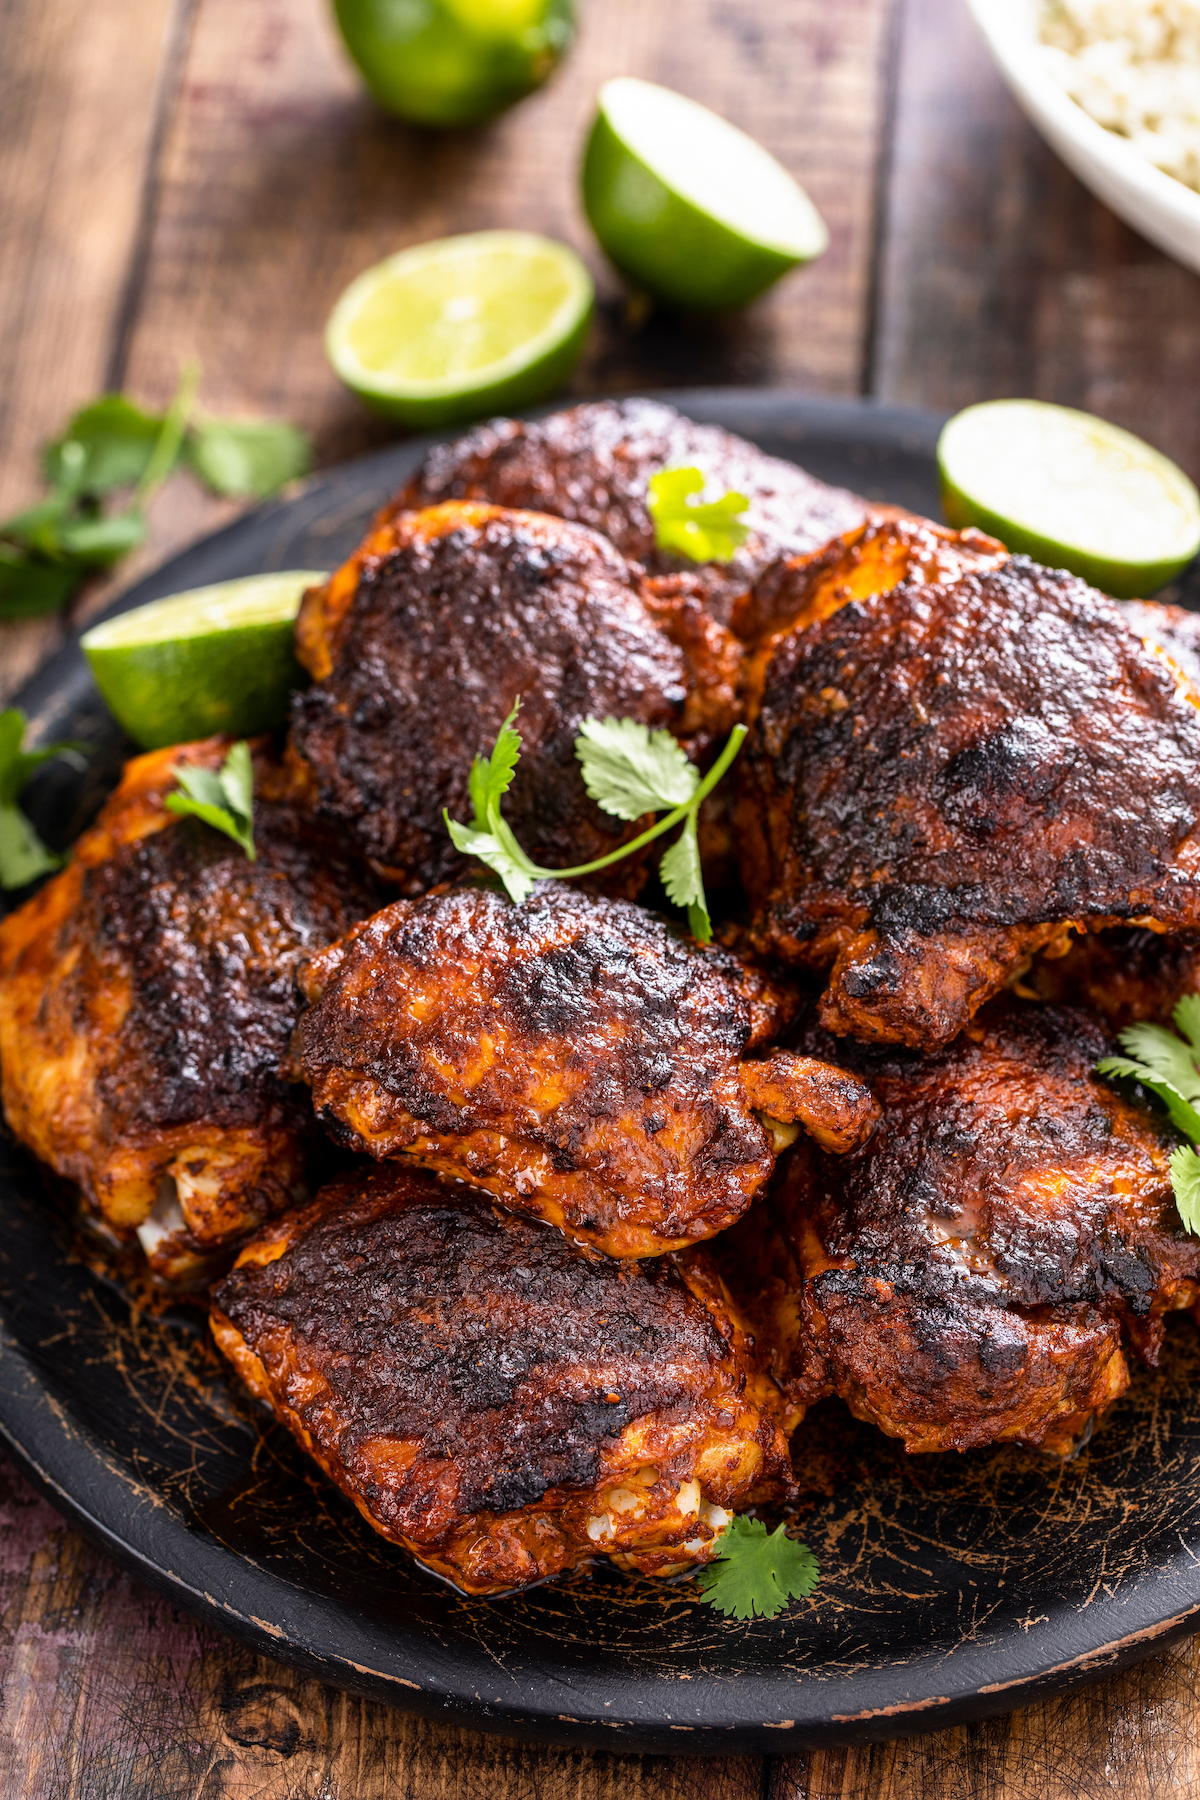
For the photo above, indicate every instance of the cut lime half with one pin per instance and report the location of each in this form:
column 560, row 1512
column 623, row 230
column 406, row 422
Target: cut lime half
column 462, row 326
column 1072, row 491
column 686, row 205
column 215, row 659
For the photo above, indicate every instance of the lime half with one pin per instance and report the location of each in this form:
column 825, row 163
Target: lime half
column 686, row 205
column 454, row 62
column 216, row 659
column 1072, row 491
column 462, row 326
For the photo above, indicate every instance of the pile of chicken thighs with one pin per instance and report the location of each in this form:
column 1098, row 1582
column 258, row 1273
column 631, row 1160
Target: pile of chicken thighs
column 611, row 1208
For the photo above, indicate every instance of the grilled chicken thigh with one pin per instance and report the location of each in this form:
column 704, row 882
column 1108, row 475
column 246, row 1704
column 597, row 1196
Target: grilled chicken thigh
column 971, row 1273
column 574, row 1056
column 943, row 779
column 1123, row 975
column 500, row 1403
column 423, row 642
column 146, row 999
column 593, row 462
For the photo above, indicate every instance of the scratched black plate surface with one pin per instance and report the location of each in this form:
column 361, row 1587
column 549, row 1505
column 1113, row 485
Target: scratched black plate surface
column 953, row 1587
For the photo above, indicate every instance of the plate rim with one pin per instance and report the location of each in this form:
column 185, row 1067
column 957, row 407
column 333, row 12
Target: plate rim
column 65, row 1462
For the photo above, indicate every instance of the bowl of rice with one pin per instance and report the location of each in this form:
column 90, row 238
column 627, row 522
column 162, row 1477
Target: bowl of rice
column 1114, row 87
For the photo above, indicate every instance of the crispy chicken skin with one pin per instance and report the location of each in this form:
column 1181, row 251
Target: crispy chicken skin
column 592, row 463
column 502, row 1404
column 1123, row 975
column 969, row 1275
column 423, row 642
column 147, row 997
column 574, row 1056
column 890, row 547
column 1174, row 629
column 943, row 779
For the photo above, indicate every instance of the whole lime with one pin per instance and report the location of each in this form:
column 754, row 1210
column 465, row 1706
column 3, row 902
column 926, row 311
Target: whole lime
column 454, row 62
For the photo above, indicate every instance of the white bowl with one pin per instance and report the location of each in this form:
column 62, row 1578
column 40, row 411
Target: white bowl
column 1161, row 208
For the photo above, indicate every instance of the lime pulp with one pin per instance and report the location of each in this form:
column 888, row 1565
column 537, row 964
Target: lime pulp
column 213, row 660
column 686, row 205
column 462, row 326
column 1072, row 491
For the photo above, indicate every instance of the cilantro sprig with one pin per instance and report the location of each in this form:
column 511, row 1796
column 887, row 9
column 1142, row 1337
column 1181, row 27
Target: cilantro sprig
column 629, row 771
column 754, row 1572
column 708, row 530
column 1168, row 1066
column 23, row 856
column 113, row 446
column 223, row 798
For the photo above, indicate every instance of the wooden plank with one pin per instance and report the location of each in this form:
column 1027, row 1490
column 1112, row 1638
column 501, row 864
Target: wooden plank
column 107, row 1690
column 1002, row 275
column 1133, row 1737
column 282, row 180
column 78, row 100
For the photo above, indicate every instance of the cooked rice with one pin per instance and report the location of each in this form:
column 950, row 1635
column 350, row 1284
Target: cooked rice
column 1134, row 65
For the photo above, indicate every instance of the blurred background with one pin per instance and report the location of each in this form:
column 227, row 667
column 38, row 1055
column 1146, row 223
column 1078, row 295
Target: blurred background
column 202, row 178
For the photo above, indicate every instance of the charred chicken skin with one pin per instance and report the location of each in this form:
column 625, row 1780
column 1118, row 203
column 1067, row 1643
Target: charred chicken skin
column 147, row 998
column 1121, row 976
column 424, row 641
column 573, row 1056
column 593, row 464
column 944, row 779
column 969, row 1275
column 503, row 1405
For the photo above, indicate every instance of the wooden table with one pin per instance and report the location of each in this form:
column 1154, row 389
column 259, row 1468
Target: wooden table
column 202, row 177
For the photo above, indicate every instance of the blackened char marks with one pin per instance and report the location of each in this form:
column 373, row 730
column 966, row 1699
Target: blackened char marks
column 593, row 463
column 510, row 1356
column 1005, row 741
column 446, row 631
column 210, row 942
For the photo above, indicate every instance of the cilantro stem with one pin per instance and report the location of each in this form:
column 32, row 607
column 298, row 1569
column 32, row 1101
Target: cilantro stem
column 736, row 739
column 166, row 448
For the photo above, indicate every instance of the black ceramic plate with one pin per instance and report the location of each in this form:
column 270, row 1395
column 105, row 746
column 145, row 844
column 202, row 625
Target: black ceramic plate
column 953, row 1587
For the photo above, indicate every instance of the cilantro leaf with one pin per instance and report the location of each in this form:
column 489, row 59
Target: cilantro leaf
column 1184, row 1116
column 707, row 531
column 248, row 457
column 500, row 851
column 29, row 587
column 1185, row 1179
column 106, row 445
column 754, row 1573
column 1169, row 1068
column 684, row 882
column 630, row 770
column 98, row 543
column 492, row 776
column 610, row 752
column 23, row 856
column 222, row 798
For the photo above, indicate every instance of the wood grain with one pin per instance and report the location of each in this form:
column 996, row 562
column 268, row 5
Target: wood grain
column 1002, row 275
column 80, row 93
column 109, row 1693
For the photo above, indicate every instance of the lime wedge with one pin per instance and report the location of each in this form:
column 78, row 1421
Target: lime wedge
column 454, row 62
column 686, row 205
column 462, row 326
column 216, row 659
column 1072, row 491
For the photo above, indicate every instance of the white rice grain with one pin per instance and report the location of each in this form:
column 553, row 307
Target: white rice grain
column 1134, row 65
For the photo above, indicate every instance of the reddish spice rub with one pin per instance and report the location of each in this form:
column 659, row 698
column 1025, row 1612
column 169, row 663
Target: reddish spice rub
column 503, row 1405
column 975, row 1272
column 575, row 1056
